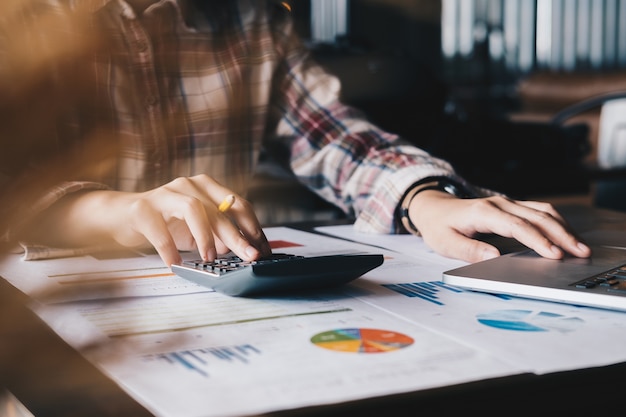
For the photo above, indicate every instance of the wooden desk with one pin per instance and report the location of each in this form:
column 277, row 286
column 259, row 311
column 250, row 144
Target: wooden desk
column 47, row 375
column 51, row 379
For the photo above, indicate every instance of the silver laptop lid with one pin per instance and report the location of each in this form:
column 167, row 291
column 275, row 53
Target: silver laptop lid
column 527, row 274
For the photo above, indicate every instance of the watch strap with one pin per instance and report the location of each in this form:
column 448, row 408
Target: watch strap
column 444, row 184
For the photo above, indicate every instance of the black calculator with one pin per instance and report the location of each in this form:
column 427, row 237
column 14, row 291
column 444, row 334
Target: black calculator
column 277, row 273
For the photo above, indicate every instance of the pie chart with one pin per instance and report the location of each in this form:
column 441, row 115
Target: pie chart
column 362, row 340
column 530, row 321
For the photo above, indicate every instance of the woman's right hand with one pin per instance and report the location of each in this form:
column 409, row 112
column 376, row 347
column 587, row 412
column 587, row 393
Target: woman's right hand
column 180, row 215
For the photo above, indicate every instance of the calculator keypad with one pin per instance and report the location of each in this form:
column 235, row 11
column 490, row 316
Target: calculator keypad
column 223, row 265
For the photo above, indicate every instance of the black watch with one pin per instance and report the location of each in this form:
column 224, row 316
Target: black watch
column 444, row 184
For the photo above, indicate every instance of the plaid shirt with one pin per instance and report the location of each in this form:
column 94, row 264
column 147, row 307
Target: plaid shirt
column 187, row 97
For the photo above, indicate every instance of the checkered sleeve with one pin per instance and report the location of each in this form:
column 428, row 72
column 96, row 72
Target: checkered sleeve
column 335, row 151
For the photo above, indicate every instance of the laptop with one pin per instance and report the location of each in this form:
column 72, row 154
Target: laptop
column 599, row 281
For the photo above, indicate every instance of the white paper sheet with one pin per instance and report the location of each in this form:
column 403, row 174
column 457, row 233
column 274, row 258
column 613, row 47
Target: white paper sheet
column 210, row 355
column 102, row 275
column 538, row 336
column 407, row 244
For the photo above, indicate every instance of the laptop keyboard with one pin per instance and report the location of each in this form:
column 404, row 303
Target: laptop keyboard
column 613, row 280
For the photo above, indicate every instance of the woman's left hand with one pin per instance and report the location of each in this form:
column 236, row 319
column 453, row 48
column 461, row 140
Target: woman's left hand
column 449, row 226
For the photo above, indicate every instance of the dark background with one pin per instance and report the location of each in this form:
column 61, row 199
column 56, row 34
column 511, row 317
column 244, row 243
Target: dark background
column 464, row 109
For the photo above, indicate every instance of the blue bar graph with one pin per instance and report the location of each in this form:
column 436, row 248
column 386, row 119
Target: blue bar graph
column 424, row 290
column 428, row 290
column 200, row 360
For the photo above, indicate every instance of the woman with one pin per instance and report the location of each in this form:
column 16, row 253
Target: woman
column 193, row 90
